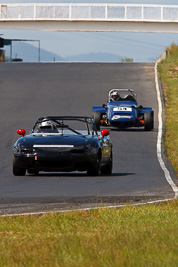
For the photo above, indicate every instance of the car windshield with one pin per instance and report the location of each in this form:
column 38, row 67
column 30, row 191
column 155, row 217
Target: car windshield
column 64, row 125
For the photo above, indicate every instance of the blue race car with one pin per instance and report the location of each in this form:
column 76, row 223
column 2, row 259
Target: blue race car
column 122, row 111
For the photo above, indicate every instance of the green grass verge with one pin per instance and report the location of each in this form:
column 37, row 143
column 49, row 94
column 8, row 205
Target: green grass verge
column 129, row 236
column 168, row 71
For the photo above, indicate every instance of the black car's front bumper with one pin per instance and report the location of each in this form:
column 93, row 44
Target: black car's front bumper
column 64, row 161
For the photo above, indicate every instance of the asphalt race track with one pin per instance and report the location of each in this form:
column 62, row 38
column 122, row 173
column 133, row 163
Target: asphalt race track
column 29, row 91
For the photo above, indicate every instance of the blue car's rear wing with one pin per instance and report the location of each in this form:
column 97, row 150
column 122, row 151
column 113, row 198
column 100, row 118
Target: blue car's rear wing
column 103, row 110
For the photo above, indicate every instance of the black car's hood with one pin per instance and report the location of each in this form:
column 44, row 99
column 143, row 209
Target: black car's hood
column 43, row 139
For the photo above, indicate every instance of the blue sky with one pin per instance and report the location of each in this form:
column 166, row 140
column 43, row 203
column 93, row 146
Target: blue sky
column 139, row 46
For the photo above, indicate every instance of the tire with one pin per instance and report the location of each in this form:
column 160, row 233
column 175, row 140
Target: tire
column 17, row 170
column 95, row 168
column 152, row 116
column 108, row 168
column 148, row 121
column 32, row 172
column 97, row 118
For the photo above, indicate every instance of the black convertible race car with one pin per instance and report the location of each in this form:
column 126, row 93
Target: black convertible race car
column 55, row 144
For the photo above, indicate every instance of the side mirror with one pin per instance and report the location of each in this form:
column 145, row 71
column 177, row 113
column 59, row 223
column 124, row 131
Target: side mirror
column 21, row 132
column 105, row 133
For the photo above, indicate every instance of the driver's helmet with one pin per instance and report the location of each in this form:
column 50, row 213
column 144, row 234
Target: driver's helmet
column 46, row 126
column 115, row 96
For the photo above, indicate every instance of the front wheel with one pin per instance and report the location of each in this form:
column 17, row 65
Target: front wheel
column 148, row 121
column 152, row 116
column 17, row 170
column 97, row 117
column 108, row 168
column 95, row 168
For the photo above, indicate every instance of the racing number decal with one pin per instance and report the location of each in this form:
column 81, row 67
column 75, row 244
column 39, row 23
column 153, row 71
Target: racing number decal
column 122, row 109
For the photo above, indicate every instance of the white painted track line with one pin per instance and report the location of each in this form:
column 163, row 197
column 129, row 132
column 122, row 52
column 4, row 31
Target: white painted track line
column 86, row 209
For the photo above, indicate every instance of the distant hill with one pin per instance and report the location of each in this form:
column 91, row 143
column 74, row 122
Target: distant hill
column 29, row 53
column 95, row 57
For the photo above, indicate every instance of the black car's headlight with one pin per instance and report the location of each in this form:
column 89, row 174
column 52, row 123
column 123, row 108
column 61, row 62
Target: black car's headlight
column 22, row 150
column 16, row 149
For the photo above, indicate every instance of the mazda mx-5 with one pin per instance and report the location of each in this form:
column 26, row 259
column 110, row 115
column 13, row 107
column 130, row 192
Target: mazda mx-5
column 63, row 144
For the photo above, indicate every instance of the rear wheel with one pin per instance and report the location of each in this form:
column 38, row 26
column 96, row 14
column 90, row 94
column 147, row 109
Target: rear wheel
column 108, row 168
column 17, row 170
column 95, row 168
column 97, row 117
column 148, row 121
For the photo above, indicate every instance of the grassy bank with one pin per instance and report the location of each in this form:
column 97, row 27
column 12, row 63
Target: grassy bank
column 168, row 71
column 129, row 236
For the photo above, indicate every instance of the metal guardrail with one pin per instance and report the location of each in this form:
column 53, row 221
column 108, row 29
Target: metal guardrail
column 88, row 12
